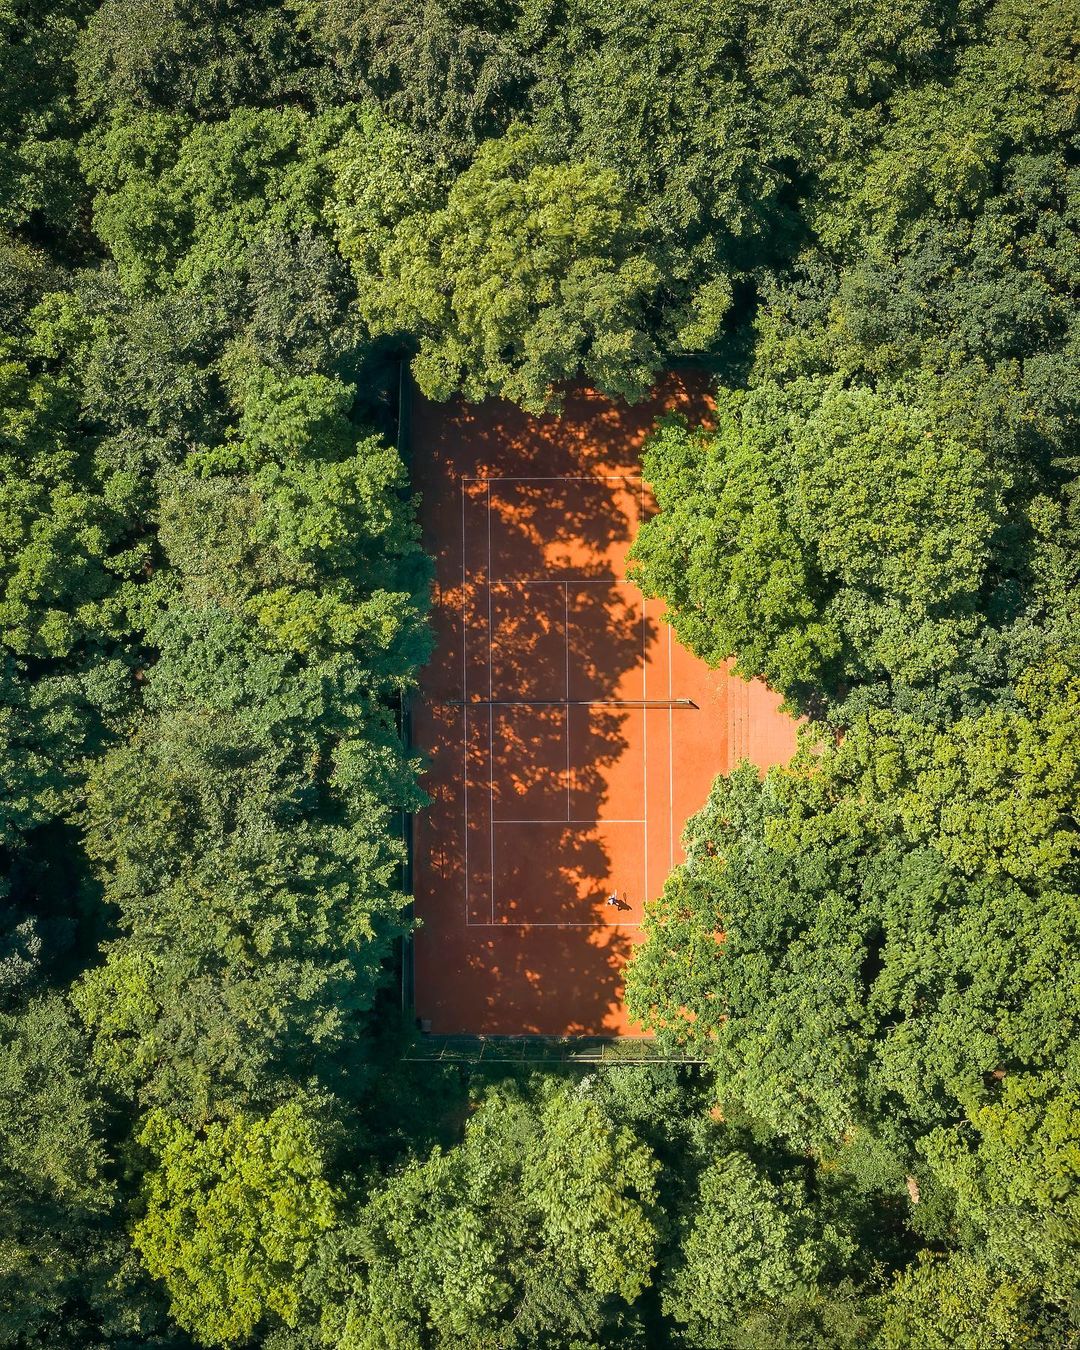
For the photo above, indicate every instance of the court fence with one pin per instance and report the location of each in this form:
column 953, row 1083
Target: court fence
column 404, row 945
column 473, row 1050
column 613, row 1052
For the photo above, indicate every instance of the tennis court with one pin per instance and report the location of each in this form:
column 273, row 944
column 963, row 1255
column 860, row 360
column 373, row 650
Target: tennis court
column 568, row 734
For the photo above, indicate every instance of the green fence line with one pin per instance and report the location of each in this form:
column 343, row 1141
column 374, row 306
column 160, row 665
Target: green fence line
column 405, row 947
column 596, row 1050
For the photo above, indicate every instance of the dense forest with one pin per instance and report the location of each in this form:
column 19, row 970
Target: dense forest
column 224, row 224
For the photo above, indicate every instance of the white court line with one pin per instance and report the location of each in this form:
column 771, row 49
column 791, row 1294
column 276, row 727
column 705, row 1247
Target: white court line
column 558, row 820
column 465, row 697
column 645, row 724
column 670, row 763
column 527, row 923
column 565, row 581
column 612, row 582
column 566, row 695
column 555, row 478
column 491, row 730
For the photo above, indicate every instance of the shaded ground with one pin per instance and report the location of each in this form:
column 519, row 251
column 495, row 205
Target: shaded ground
column 546, row 802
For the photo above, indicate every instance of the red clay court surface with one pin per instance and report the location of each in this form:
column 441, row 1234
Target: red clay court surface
column 550, row 789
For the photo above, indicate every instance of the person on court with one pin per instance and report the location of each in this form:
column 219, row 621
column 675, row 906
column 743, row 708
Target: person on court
column 613, row 898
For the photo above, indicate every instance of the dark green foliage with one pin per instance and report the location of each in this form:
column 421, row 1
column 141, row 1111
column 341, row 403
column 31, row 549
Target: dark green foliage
column 245, row 831
column 41, row 190
column 453, row 71
column 870, row 947
column 54, row 1188
column 662, row 99
column 211, row 600
column 543, row 1218
column 201, row 59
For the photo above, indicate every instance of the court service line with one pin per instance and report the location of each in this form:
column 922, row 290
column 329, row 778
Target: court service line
column 528, row 923
column 558, row 820
column 508, row 582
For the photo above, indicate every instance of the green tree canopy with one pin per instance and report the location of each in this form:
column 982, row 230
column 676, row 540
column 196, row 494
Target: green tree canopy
column 55, row 1190
column 825, row 536
column 290, row 615
column 233, row 1212
column 530, row 273
column 223, row 226
column 541, row 1217
column 750, row 1242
